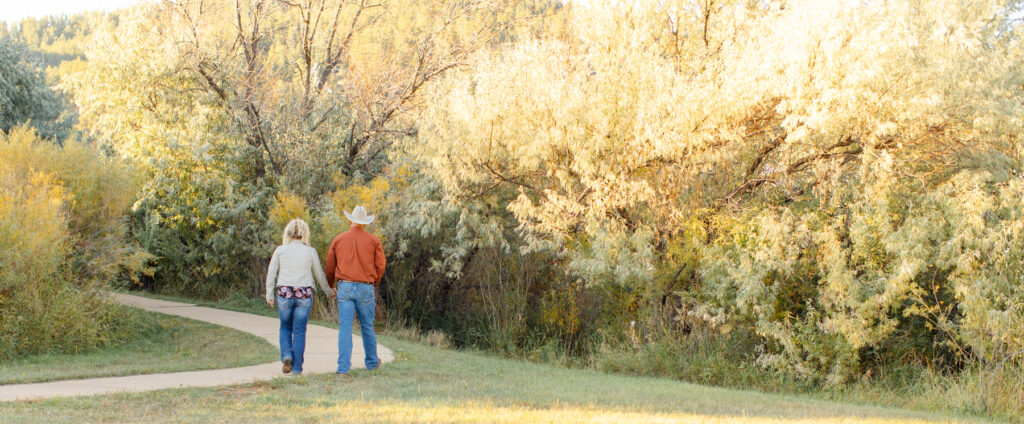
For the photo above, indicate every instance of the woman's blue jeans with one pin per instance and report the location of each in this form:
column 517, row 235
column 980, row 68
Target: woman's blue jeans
column 356, row 299
column 294, row 314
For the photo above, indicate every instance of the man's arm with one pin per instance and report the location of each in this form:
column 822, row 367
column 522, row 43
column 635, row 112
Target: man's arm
column 379, row 261
column 331, row 263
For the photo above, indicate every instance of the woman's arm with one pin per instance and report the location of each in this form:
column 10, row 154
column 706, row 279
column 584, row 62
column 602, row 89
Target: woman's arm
column 318, row 273
column 275, row 265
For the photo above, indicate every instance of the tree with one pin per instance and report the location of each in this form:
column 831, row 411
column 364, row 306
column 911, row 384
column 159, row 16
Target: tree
column 792, row 139
column 231, row 102
column 25, row 95
column 653, row 112
column 286, row 79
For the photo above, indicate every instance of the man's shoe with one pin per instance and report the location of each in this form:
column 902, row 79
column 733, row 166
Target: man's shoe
column 287, row 367
column 341, row 374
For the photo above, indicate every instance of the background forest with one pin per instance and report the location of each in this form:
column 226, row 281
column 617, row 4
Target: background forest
column 802, row 196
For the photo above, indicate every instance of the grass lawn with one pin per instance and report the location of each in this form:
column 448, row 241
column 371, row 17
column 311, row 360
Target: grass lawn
column 166, row 344
column 427, row 384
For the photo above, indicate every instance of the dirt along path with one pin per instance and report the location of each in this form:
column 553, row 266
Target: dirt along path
column 321, row 356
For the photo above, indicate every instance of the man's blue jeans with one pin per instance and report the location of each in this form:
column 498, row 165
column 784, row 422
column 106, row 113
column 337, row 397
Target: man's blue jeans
column 356, row 298
column 294, row 314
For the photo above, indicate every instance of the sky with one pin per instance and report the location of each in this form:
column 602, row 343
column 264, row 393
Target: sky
column 15, row 10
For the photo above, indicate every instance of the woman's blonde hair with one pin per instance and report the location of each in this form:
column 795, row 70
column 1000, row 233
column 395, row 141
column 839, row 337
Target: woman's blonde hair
column 296, row 230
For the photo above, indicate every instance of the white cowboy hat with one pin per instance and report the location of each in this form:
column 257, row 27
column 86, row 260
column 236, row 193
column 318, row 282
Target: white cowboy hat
column 359, row 216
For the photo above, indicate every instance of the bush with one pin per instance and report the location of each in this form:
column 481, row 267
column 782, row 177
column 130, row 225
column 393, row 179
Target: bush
column 62, row 228
column 207, row 233
column 713, row 359
column 899, row 277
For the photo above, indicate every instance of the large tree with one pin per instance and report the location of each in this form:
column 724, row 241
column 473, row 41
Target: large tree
column 310, row 90
column 229, row 102
column 820, row 151
column 648, row 114
column 25, row 95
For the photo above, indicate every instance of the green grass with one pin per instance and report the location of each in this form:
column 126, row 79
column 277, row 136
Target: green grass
column 426, row 384
column 721, row 361
column 714, row 365
column 164, row 344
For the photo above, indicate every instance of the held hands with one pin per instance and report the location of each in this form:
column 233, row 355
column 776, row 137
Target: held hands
column 270, row 302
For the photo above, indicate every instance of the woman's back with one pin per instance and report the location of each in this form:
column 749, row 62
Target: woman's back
column 292, row 269
column 295, row 264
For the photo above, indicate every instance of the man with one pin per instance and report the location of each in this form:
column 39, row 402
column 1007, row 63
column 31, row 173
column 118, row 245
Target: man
column 355, row 264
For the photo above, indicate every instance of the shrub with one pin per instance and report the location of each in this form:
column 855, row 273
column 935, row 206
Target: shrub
column 208, row 233
column 61, row 225
column 835, row 287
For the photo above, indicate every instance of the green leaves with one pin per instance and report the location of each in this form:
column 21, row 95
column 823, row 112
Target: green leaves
column 25, row 95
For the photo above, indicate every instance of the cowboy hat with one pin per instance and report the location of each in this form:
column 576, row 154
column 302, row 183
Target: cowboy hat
column 358, row 216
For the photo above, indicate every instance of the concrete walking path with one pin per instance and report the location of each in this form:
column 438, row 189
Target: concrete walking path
column 321, row 356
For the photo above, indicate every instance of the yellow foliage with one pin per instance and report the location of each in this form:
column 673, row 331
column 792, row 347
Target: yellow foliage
column 98, row 191
column 561, row 312
column 376, row 196
column 372, row 195
column 289, row 206
column 53, row 200
column 32, row 226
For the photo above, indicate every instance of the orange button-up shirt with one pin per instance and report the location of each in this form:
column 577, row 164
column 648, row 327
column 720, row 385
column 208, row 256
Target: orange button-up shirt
column 355, row 255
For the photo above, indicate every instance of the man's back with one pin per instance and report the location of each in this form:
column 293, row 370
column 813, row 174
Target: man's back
column 355, row 255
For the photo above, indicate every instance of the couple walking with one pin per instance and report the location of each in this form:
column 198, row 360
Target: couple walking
column 355, row 265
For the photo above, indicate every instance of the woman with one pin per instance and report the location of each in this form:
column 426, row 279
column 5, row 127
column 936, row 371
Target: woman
column 292, row 269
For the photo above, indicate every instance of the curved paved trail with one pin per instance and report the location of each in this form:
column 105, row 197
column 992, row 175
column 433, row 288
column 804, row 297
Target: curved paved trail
column 321, row 356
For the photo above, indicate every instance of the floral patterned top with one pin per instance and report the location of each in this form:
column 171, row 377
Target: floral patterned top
column 296, row 266
column 292, row 292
